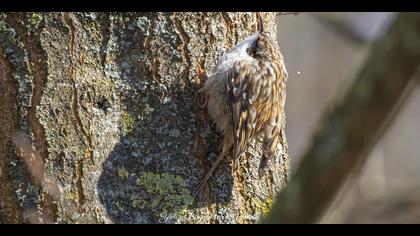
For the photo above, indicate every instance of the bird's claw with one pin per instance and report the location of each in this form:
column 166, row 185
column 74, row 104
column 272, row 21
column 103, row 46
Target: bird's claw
column 201, row 73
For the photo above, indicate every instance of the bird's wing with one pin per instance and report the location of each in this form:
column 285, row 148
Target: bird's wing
column 240, row 83
column 273, row 114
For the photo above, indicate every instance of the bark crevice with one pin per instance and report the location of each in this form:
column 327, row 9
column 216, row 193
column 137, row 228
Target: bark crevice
column 154, row 66
column 88, row 154
column 38, row 68
column 10, row 211
column 186, row 54
column 229, row 26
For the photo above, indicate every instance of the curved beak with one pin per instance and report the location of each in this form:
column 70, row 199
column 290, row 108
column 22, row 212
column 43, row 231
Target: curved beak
column 260, row 26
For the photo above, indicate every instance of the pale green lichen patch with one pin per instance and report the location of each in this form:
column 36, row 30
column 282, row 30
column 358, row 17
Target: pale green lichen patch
column 34, row 19
column 137, row 202
column 128, row 122
column 122, row 173
column 119, row 206
column 165, row 192
column 263, row 207
column 71, row 196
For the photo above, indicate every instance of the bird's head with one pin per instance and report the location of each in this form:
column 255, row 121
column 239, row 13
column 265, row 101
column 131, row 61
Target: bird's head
column 263, row 46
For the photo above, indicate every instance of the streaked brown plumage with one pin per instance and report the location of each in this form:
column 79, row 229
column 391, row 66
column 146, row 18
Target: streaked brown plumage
column 245, row 96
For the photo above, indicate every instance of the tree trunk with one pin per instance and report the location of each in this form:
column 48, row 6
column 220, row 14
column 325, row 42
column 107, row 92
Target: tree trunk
column 100, row 121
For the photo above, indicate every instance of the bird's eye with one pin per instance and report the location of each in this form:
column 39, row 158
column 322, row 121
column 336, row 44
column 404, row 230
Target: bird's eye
column 252, row 50
column 249, row 51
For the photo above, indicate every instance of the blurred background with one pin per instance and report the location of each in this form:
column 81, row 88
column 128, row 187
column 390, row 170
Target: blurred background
column 323, row 52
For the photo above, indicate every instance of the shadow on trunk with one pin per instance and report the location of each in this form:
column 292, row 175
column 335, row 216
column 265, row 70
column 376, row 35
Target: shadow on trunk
column 157, row 164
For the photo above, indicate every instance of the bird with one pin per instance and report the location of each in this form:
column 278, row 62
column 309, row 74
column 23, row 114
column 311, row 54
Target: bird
column 245, row 96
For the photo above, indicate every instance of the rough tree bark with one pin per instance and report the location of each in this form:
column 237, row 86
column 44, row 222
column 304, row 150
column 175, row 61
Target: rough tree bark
column 100, row 124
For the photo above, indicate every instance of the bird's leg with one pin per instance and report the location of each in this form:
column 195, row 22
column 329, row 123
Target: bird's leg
column 202, row 76
column 201, row 73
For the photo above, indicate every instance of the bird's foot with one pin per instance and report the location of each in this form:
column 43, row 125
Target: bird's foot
column 201, row 74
